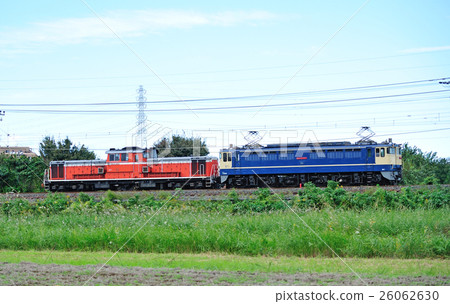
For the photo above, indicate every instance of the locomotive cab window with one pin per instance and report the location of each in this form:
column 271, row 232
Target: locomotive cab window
column 114, row 157
column 124, row 157
column 226, row 156
column 380, row 152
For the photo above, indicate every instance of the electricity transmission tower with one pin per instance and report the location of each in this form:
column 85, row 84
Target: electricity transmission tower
column 141, row 118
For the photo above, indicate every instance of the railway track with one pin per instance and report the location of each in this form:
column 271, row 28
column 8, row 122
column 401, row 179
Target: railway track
column 196, row 194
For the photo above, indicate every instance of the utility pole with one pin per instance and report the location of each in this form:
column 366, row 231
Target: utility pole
column 141, row 118
column 2, row 113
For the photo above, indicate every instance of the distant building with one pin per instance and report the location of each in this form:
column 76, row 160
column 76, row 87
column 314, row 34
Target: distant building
column 17, row 151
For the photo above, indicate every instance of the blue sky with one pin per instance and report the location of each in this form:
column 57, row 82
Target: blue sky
column 291, row 66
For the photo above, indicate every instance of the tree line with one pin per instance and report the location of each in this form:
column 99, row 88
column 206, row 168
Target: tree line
column 424, row 167
column 23, row 174
column 26, row 174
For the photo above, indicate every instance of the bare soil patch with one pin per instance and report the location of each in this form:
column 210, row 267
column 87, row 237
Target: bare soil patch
column 27, row 274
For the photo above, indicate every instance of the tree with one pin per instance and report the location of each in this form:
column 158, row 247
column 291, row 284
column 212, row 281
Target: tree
column 179, row 146
column 63, row 150
column 424, row 167
column 21, row 173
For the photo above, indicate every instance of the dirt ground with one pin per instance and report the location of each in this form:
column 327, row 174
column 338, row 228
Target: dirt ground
column 52, row 274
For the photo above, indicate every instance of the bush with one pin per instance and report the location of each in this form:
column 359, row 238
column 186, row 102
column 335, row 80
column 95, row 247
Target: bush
column 262, row 201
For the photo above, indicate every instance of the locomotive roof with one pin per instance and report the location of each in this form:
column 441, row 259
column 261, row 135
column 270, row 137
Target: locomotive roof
column 311, row 145
column 128, row 149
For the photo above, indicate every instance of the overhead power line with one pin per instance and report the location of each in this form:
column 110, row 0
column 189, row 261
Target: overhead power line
column 395, row 84
column 237, row 107
column 392, row 134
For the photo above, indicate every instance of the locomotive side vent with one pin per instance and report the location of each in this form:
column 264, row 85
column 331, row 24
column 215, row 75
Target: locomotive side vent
column 145, row 169
column 101, row 170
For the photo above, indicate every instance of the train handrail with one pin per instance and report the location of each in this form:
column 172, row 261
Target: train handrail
column 214, row 171
column 46, row 179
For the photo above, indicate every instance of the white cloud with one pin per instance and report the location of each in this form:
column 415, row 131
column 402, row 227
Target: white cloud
column 125, row 24
column 426, row 49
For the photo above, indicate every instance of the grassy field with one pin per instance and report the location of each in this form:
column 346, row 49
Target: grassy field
column 378, row 232
column 213, row 261
column 370, row 233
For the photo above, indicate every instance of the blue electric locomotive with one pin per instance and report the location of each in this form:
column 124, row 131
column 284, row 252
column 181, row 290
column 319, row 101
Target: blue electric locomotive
column 275, row 165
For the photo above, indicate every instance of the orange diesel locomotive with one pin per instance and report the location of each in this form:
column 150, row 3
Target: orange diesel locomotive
column 132, row 168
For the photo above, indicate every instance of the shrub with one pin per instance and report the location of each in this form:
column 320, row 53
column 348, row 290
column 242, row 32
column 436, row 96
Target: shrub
column 83, row 197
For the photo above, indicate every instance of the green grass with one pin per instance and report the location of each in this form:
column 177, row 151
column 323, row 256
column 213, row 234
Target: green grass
column 369, row 233
column 212, row 261
column 377, row 232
